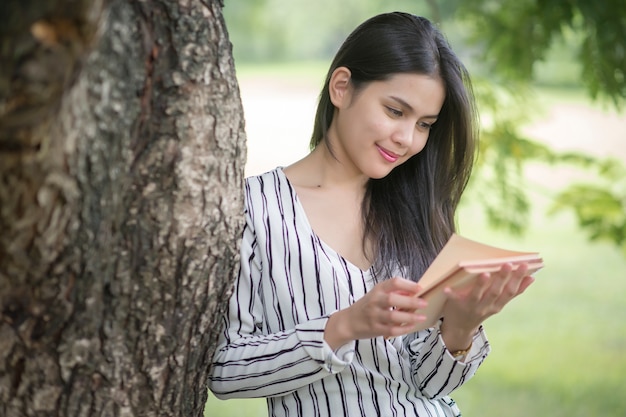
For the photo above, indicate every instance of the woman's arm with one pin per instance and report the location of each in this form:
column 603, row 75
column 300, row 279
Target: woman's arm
column 250, row 363
column 435, row 371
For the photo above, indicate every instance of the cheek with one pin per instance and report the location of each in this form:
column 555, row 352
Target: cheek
column 373, row 122
column 419, row 143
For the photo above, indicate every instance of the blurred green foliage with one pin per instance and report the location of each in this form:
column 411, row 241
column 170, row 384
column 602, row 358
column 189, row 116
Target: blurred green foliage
column 516, row 34
column 515, row 38
column 600, row 207
column 262, row 30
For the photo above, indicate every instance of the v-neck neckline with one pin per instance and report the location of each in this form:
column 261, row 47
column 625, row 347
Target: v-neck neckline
column 305, row 221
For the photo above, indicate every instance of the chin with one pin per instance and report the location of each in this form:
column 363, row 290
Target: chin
column 377, row 174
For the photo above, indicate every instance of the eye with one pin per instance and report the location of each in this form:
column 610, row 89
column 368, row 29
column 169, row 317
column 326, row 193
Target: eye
column 394, row 112
column 424, row 125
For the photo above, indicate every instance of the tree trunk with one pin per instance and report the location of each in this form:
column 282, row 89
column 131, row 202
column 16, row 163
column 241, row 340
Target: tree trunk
column 121, row 163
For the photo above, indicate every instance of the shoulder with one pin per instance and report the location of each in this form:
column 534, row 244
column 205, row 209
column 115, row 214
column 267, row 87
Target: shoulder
column 268, row 189
column 265, row 177
column 267, row 182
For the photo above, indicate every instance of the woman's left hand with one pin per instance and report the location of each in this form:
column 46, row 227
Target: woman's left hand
column 468, row 307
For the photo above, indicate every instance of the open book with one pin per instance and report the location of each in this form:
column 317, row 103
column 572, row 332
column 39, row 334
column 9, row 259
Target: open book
column 460, row 261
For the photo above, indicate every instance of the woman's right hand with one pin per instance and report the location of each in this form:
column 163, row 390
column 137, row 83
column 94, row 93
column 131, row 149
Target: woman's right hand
column 388, row 309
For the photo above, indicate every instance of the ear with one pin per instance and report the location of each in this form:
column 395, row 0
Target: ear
column 339, row 87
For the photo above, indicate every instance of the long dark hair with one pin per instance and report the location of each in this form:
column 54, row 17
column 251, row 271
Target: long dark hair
column 409, row 214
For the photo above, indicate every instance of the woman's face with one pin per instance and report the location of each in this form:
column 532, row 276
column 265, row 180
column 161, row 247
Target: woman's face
column 383, row 124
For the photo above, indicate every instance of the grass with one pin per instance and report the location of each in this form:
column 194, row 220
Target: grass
column 558, row 350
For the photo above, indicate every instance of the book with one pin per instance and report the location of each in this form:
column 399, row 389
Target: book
column 458, row 264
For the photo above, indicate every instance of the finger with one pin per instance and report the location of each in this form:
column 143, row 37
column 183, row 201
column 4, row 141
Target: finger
column 508, row 295
column 526, row 282
column 513, row 286
column 399, row 301
column 501, row 278
column 403, row 323
column 498, row 283
column 398, row 284
column 400, row 317
column 473, row 291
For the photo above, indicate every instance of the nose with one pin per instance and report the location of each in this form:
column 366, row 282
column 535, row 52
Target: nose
column 403, row 135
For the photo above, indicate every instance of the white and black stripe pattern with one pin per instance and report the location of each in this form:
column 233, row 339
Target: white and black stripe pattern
column 272, row 346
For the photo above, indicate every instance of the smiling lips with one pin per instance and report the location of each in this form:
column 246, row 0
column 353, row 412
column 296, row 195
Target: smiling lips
column 388, row 155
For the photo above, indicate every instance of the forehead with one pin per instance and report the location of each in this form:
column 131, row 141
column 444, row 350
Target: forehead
column 421, row 92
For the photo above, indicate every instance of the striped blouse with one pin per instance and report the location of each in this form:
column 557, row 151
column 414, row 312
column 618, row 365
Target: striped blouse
column 272, row 346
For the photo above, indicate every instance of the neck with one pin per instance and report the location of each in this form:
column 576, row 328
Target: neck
column 327, row 170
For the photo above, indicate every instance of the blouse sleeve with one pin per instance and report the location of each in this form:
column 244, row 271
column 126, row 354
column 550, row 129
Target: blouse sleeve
column 249, row 363
column 436, row 373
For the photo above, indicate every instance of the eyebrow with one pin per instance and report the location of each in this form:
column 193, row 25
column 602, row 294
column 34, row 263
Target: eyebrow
column 408, row 106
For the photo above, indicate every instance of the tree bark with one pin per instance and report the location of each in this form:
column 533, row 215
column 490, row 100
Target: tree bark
column 122, row 152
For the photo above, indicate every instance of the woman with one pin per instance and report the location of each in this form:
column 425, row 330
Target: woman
column 321, row 318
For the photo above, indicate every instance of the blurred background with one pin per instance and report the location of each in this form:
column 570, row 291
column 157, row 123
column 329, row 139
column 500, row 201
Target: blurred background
column 551, row 176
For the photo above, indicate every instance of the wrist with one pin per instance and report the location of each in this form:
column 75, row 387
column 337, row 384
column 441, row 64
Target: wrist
column 336, row 332
column 457, row 339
